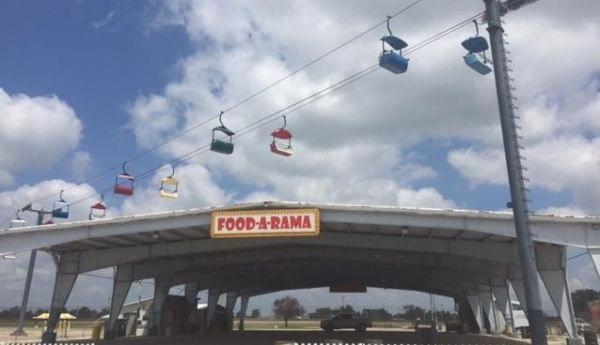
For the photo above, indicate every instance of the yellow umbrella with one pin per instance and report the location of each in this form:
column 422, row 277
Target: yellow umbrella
column 63, row 316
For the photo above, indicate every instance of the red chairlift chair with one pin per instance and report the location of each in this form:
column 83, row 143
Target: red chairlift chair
column 124, row 183
column 282, row 141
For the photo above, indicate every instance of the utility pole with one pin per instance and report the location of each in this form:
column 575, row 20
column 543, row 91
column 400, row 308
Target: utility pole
column 515, row 175
column 40, row 220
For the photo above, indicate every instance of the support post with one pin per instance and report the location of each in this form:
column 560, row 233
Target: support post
column 502, row 295
column 191, row 297
column 552, row 264
column 519, row 288
column 515, row 175
column 243, row 310
column 485, row 297
column 213, row 299
column 66, row 275
column 475, row 305
column 595, row 256
column 25, row 299
column 121, row 286
column 229, row 306
column 161, row 291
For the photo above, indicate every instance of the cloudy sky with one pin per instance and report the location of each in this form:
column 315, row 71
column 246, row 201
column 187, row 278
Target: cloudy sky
column 85, row 85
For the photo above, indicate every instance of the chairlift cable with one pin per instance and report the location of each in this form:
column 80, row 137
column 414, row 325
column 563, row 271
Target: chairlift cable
column 323, row 56
column 249, row 128
column 245, row 100
column 309, row 99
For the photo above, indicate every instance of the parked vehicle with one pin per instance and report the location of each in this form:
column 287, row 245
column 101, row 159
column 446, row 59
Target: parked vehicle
column 340, row 321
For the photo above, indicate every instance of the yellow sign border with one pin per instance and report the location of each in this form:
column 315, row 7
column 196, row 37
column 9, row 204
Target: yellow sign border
column 235, row 213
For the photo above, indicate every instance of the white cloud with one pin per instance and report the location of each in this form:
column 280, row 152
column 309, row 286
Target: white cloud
column 10, row 201
column 81, row 164
column 197, row 188
column 35, row 132
column 104, row 22
column 561, row 211
column 15, row 270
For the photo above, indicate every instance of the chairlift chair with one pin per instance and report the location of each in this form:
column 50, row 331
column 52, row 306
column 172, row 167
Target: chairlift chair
column 98, row 210
column 169, row 186
column 61, row 207
column 17, row 222
column 392, row 60
column 476, row 47
column 224, row 146
column 124, row 183
column 475, row 62
column 282, row 141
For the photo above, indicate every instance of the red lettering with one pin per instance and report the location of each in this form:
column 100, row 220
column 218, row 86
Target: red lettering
column 295, row 222
column 220, row 224
column 275, row 222
column 239, row 223
column 285, row 222
column 250, row 223
column 262, row 223
column 306, row 223
column 229, row 224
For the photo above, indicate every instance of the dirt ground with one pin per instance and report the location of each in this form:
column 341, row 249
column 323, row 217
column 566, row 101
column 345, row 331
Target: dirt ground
column 266, row 332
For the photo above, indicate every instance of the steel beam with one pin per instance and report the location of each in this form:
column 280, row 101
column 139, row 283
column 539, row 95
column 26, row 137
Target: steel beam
column 66, row 275
column 161, row 292
column 229, row 306
column 121, row 286
column 213, row 299
column 501, row 292
column 595, row 257
column 519, row 289
column 552, row 263
column 486, row 300
column 499, row 252
column 191, row 297
column 243, row 310
column 475, row 304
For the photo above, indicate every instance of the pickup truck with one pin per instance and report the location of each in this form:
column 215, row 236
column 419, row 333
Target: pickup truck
column 346, row 321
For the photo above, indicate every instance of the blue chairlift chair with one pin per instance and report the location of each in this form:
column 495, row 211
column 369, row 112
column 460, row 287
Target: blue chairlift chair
column 392, row 60
column 477, row 46
column 61, row 207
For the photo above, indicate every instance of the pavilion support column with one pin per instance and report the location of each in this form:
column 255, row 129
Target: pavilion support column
column 229, row 306
column 66, row 274
column 243, row 310
column 121, row 286
column 191, row 297
column 595, row 256
column 501, row 292
column 519, row 289
column 161, row 291
column 213, row 299
column 487, row 302
column 552, row 264
column 475, row 304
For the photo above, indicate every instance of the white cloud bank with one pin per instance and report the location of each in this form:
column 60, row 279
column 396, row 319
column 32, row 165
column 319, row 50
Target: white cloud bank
column 35, row 132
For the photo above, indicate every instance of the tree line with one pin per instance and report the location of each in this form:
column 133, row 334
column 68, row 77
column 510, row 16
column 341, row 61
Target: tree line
column 82, row 313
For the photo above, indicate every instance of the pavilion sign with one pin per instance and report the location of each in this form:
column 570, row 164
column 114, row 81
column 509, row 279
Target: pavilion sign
column 265, row 223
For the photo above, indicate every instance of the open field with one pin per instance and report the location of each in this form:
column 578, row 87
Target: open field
column 267, row 332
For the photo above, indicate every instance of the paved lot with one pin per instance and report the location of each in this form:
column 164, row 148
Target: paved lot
column 311, row 337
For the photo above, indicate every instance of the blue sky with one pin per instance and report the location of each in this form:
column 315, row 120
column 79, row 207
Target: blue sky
column 101, row 81
column 97, row 70
column 99, row 56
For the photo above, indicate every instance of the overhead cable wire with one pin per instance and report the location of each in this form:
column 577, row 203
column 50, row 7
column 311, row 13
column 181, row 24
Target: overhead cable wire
column 317, row 95
column 239, row 103
column 254, row 125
